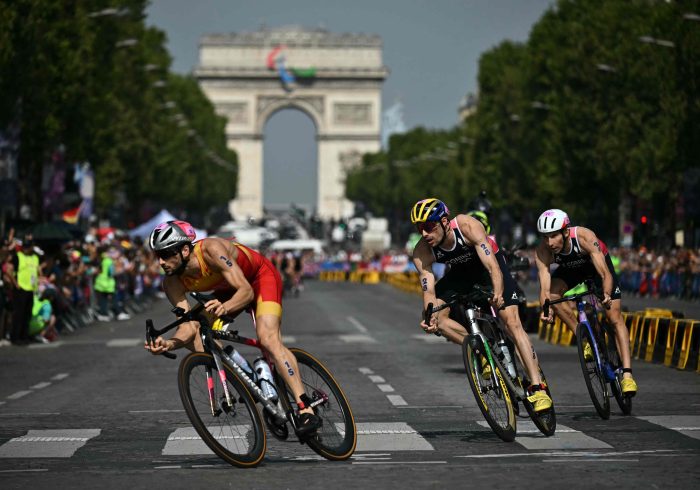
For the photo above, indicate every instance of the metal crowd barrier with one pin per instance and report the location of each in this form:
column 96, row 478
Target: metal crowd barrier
column 655, row 336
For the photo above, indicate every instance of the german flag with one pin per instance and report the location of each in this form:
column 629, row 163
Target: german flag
column 71, row 216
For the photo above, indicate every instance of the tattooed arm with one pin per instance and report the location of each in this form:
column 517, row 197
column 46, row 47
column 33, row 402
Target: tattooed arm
column 423, row 260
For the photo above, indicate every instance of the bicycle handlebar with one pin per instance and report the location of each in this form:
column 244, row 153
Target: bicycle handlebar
column 477, row 294
column 183, row 316
column 591, row 289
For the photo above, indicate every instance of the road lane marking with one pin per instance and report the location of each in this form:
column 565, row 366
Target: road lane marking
column 428, row 338
column 357, row 339
column 33, row 470
column 376, row 379
column 41, row 385
column 185, row 441
column 19, row 394
column 597, row 460
column 157, row 411
column 389, row 436
column 688, row 425
column 565, row 437
column 396, row 400
column 25, row 414
column 60, row 376
column 365, row 370
column 133, row 342
column 386, row 388
column 567, row 454
column 399, row 462
column 432, row 406
column 55, row 443
column 358, row 325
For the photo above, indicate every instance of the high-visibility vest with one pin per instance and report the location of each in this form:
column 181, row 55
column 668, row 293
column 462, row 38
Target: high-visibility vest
column 105, row 282
column 28, row 271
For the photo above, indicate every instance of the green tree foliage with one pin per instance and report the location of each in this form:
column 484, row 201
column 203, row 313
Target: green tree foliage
column 91, row 76
column 600, row 105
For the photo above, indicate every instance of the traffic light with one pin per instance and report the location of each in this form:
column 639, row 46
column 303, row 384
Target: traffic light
column 643, row 219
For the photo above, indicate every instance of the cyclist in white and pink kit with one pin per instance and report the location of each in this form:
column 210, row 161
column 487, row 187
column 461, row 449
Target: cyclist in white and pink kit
column 580, row 255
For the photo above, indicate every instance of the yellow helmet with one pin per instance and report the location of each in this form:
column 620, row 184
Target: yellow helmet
column 430, row 209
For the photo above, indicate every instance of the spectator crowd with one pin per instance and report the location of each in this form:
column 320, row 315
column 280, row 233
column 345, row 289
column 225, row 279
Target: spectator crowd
column 47, row 289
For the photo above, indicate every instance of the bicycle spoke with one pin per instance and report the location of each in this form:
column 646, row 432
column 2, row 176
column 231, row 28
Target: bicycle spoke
column 234, row 432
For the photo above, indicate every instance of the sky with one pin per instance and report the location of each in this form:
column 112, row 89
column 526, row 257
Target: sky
column 431, row 49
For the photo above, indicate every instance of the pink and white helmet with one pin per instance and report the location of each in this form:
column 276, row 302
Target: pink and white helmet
column 171, row 234
column 552, row 220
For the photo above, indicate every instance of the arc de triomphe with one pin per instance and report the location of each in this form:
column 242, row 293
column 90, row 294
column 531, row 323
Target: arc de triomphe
column 336, row 79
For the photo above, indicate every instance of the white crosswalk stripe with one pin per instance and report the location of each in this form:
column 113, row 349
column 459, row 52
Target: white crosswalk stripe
column 373, row 437
column 390, row 436
column 688, row 425
column 186, row 441
column 55, row 443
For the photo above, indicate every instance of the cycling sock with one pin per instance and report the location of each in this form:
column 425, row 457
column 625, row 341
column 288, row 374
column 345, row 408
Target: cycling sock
column 533, row 388
column 305, row 401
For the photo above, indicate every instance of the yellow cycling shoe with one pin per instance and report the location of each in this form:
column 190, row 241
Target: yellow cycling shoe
column 540, row 400
column 588, row 352
column 629, row 387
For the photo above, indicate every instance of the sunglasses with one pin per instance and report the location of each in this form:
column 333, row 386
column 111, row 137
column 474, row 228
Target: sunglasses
column 428, row 226
column 167, row 253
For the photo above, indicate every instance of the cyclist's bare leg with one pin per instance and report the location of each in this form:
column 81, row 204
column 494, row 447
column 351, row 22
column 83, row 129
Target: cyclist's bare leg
column 270, row 336
column 563, row 310
column 515, row 331
column 622, row 335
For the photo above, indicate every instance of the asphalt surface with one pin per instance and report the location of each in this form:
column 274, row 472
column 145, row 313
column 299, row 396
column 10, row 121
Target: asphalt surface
column 95, row 410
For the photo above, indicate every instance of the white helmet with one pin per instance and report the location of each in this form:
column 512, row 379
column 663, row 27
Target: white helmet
column 552, row 220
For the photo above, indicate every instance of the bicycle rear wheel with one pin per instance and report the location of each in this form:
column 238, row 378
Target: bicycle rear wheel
column 337, row 437
column 235, row 433
column 595, row 380
column 493, row 399
column 624, row 401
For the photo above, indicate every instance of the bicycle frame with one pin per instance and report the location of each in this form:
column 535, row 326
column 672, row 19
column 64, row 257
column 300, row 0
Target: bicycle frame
column 590, row 323
column 208, row 335
column 466, row 316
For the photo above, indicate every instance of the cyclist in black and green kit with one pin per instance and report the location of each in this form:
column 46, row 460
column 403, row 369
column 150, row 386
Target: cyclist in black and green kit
column 473, row 258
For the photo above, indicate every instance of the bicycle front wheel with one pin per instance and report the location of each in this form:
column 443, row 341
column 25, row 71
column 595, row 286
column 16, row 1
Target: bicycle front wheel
column 491, row 394
column 234, row 432
column 594, row 378
column 546, row 420
column 625, row 402
column 337, row 437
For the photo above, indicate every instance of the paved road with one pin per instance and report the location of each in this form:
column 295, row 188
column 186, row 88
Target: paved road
column 97, row 410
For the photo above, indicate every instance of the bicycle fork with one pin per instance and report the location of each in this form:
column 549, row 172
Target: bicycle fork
column 477, row 341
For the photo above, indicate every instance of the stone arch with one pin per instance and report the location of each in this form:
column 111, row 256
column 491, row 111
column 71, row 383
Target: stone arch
column 335, row 79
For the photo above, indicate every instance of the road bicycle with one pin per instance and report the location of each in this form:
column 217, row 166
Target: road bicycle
column 505, row 383
column 225, row 414
column 605, row 368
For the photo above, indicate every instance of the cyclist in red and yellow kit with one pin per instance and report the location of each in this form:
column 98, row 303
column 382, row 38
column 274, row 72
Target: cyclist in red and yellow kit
column 239, row 277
